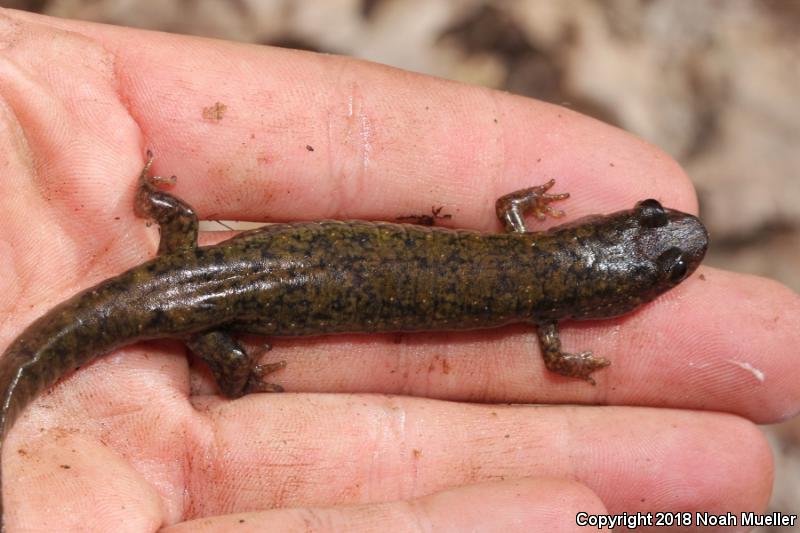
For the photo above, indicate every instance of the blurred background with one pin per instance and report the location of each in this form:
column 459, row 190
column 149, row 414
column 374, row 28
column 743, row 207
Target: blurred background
column 714, row 83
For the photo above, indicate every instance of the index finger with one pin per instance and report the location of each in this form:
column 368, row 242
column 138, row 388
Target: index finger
column 267, row 133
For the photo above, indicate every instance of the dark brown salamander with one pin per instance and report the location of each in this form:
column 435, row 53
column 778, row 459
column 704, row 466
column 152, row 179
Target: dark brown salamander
column 333, row 277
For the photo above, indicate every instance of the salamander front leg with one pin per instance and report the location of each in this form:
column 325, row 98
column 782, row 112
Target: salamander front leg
column 176, row 219
column 234, row 369
column 579, row 365
column 512, row 208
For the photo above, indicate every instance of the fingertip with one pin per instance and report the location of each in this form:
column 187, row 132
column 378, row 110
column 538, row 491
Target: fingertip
column 668, row 460
column 719, row 341
column 728, row 482
column 745, row 335
column 604, row 167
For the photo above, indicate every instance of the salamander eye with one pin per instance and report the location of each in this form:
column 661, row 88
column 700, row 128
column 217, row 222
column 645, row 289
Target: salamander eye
column 672, row 265
column 651, row 213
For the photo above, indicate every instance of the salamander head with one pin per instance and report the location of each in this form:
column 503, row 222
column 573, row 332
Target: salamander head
column 645, row 252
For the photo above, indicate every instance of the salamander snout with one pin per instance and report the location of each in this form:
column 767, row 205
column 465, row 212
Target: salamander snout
column 676, row 241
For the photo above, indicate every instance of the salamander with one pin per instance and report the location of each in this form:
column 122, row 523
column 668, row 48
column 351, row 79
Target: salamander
column 316, row 278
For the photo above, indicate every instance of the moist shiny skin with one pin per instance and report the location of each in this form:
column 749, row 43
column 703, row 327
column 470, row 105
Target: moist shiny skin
column 333, row 277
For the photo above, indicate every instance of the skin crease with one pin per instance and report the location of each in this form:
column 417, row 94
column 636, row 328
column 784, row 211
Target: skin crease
column 144, row 440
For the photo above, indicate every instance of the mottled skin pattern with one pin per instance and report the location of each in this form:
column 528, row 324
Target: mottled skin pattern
column 333, row 277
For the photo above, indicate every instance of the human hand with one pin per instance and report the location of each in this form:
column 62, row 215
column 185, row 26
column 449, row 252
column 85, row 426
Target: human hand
column 140, row 439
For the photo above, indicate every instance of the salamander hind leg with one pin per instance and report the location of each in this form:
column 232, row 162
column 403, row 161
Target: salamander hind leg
column 512, row 208
column 235, row 370
column 580, row 365
column 176, row 219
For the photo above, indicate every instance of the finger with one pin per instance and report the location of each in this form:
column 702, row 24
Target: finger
column 720, row 341
column 525, row 505
column 266, row 451
column 294, row 135
column 288, row 450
